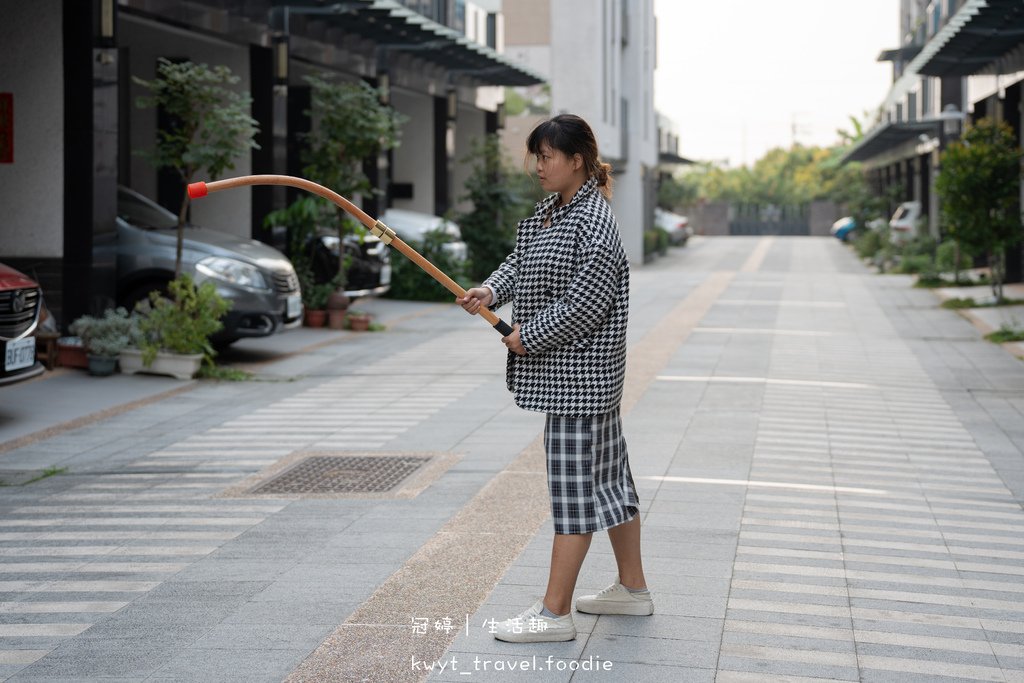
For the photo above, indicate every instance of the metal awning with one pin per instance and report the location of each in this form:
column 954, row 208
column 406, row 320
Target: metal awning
column 979, row 33
column 888, row 136
column 903, row 54
column 669, row 158
column 393, row 27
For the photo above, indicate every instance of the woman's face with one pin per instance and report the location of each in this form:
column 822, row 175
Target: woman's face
column 555, row 170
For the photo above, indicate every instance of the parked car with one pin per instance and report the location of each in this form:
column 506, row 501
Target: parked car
column 677, row 227
column 369, row 266
column 903, row 224
column 21, row 304
column 257, row 279
column 412, row 227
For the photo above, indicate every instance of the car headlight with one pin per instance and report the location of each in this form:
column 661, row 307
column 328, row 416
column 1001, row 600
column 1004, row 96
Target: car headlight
column 232, row 271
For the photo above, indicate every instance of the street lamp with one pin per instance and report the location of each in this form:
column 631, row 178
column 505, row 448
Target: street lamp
column 952, row 121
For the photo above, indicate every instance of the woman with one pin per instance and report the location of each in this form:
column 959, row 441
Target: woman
column 569, row 280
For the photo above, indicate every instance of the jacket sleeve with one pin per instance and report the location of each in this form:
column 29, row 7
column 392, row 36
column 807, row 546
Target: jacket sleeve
column 585, row 303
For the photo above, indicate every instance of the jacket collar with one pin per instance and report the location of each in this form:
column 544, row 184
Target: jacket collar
column 544, row 205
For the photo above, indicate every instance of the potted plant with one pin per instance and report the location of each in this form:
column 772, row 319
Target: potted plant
column 358, row 321
column 104, row 338
column 336, row 304
column 174, row 333
column 314, row 297
column 71, row 352
column 352, row 126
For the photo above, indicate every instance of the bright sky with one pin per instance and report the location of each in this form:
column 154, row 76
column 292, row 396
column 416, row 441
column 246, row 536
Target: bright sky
column 735, row 75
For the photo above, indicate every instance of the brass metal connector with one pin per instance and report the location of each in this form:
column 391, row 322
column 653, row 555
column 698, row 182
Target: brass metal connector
column 382, row 231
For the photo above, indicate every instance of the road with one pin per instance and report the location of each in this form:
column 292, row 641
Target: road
column 830, row 471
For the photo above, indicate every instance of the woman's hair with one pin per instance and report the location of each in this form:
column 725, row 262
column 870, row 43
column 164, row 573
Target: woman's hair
column 571, row 135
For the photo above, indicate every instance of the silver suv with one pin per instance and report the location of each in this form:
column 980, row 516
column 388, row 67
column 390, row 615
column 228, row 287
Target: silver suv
column 257, row 279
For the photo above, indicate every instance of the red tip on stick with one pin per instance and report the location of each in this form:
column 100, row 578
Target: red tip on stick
column 197, row 190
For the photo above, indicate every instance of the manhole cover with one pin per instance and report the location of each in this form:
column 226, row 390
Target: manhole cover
column 342, row 474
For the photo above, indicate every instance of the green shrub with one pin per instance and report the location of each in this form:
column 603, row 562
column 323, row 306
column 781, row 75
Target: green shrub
column 108, row 335
column 182, row 323
column 917, row 263
column 410, row 282
column 663, row 240
column 960, row 303
column 979, row 192
column 1006, row 333
column 501, row 196
column 868, row 243
column 946, row 257
column 919, row 246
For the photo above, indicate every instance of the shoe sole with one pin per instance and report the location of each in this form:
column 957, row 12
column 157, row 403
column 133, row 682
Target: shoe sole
column 625, row 608
column 534, row 638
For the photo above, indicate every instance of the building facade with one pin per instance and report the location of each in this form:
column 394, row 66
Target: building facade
column 599, row 59
column 66, row 82
column 959, row 61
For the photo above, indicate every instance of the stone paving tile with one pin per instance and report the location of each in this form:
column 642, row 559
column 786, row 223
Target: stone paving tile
column 657, row 651
column 900, row 485
column 244, row 665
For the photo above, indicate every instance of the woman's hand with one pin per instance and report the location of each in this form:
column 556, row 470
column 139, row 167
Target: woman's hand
column 474, row 299
column 512, row 341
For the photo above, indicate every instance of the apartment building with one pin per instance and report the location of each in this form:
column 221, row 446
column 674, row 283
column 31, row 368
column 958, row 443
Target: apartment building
column 70, row 124
column 958, row 61
column 599, row 59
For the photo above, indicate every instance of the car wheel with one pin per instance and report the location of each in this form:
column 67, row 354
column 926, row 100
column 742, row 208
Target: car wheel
column 222, row 343
column 141, row 293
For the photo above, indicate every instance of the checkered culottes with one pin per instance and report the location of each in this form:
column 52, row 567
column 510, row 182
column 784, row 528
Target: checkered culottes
column 588, row 473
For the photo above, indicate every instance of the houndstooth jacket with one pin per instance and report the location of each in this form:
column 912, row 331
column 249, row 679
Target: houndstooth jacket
column 569, row 284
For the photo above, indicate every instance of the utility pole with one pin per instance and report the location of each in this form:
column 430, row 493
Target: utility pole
column 796, row 129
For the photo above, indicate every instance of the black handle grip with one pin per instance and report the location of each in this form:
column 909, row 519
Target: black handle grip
column 504, row 328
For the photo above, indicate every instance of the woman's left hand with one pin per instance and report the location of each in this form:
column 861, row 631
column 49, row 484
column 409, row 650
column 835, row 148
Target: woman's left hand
column 513, row 343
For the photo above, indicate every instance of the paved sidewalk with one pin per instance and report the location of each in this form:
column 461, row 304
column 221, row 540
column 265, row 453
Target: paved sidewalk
column 830, row 470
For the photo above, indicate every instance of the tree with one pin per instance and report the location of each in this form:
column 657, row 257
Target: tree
column 210, row 124
column 349, row 125
column 679, row 190
column 501, row 196
column 979, row 190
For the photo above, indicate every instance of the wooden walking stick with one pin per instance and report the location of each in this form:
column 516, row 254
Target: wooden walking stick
column 386, row 234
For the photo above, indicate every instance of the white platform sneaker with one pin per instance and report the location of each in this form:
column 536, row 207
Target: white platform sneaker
column 616, row 599
column 532, row 627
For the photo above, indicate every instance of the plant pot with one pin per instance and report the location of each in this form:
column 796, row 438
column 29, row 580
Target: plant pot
column 315, row 318
column 102, row 366
column 71, row 354
column 359, row 323
column 180, row 366
column 336, row 319
column 338, row 301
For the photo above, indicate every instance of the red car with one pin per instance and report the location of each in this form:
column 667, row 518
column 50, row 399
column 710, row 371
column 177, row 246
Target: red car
column 20, row 306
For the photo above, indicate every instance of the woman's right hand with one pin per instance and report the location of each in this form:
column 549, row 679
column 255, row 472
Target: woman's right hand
column 474, row 299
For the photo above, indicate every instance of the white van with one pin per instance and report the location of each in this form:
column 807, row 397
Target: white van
column 903, row 224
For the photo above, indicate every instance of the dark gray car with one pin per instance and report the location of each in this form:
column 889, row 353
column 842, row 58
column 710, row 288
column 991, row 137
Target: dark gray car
column 257, row 279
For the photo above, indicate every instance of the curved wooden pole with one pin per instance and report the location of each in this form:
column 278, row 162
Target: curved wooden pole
column 386, row 234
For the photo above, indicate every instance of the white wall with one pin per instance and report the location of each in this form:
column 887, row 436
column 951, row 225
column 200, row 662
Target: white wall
column 413, row 159
column 32, row 188
column 470, row 128
column 585, row 76
column 642, row 129
column 591, row 72
column 147, row 41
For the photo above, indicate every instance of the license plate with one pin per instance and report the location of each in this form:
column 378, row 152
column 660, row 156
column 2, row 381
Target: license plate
column 294, row 309
column 20, row 353
column 385, row 275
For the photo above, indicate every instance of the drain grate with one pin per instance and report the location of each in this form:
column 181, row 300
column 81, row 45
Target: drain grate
column 342, row 474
